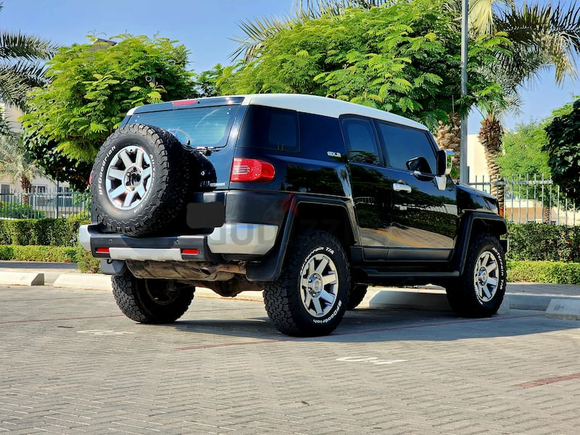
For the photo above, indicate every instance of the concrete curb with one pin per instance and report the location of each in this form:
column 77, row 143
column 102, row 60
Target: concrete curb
column 21, row 278
column 565, row 309
column 83, row 281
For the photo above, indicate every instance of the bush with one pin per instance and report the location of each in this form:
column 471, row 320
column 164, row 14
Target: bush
column 59, row 254
column 23, row 232
column 49, row 232
column 57, row 232
column 5, row 232
column 543, row 242
column 6, row 252
column 548, row 272
column 62, row 254
column 85, row 261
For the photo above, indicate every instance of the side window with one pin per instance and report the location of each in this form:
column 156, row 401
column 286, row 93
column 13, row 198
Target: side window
column 268, row 127
column 360, row 141
column 408, row 149
column 319, row 135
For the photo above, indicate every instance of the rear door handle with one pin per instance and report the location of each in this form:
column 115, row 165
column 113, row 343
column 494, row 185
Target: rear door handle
column 398, row 187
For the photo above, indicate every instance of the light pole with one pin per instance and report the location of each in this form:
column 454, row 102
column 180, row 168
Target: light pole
column 463, row 169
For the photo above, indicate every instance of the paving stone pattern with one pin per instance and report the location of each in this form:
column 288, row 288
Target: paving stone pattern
column 70, row 363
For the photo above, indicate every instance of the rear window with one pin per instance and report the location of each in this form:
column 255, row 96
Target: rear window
column 271, row 128
column 196, row 127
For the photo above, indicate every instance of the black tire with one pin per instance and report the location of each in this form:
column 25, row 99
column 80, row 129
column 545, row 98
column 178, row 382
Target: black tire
column 357, row 294
column 151, row 300
column 480, row 290
column 317, row 308
column 140, row 180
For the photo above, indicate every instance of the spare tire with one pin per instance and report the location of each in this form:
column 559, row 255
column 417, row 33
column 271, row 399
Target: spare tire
column 140, row 180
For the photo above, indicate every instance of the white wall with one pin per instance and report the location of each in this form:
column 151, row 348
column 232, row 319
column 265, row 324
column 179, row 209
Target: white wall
column 476, row 159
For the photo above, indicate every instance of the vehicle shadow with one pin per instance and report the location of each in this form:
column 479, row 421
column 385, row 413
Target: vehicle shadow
column 385, row 325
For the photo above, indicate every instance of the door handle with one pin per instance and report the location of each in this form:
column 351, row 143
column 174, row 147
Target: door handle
column 398, row 187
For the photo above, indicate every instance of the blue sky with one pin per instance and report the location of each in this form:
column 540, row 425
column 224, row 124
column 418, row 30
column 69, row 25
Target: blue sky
column 205, row 27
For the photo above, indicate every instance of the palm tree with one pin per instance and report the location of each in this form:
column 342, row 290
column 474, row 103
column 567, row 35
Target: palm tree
column 542, row 36
column 16, row 164
column 21, row 65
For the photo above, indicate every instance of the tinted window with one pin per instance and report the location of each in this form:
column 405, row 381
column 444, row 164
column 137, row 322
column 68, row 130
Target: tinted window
column 268, row 127
column 198, row 127
column 319, row 135
column 408, row 149
column 360, row 141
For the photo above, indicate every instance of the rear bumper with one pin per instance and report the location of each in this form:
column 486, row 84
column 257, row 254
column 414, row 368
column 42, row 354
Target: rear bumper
column 230, row 239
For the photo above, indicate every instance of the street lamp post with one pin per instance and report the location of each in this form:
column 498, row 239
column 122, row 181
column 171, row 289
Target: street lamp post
column 463, row 169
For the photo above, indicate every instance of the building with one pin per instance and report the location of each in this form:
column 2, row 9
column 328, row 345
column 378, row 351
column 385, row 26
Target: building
column 39, row 185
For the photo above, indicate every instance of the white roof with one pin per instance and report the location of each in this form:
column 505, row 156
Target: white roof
column 326, row 107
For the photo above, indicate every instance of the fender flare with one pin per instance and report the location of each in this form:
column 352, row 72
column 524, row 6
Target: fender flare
column 270, row 267
column 493, row 223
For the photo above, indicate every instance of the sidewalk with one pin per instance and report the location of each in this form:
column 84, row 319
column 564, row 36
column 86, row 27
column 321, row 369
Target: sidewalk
column 526, row 296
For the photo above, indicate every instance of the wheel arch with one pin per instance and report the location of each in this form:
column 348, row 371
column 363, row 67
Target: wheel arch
column 334, row 216
column 475, row 223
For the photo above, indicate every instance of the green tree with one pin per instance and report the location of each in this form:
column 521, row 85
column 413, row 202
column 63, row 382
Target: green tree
column 206, row 82
column 56, row 165
column 92, row 86
column 402, row 58
column 522, row 151
column 523, row 155
column 21, row 66
column 258, row 31
column 563, row 148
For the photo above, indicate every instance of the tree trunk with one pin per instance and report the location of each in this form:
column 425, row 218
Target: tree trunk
column 26, row 189
column 449, row 138
column 490, row 136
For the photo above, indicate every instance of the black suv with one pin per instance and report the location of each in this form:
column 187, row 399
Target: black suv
column 305, row 198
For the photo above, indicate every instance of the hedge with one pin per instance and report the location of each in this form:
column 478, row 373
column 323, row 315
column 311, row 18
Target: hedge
column 60, row 254
column 48, row 232
column 543, row 242
column 38, row 253
column 548, row 272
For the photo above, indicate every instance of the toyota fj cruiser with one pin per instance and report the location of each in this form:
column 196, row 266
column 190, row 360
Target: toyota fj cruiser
column 305, row 198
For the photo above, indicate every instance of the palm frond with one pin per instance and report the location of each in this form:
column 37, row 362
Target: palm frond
column 14, row 161
column 256, row 32
column 16, row 45
column 551, row 32
column 17, row 79
column 4, row 126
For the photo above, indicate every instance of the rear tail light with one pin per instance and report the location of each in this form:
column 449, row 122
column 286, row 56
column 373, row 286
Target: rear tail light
column 252, row 170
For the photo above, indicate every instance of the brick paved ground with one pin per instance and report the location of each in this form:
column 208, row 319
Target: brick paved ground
column 70, row 363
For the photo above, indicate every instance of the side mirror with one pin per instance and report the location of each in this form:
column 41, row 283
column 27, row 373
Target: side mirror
column 444, row 162
column 419, row 164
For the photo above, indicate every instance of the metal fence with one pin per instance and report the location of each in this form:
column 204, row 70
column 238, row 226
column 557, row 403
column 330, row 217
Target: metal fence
column 46, row 204
column 530, row 199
